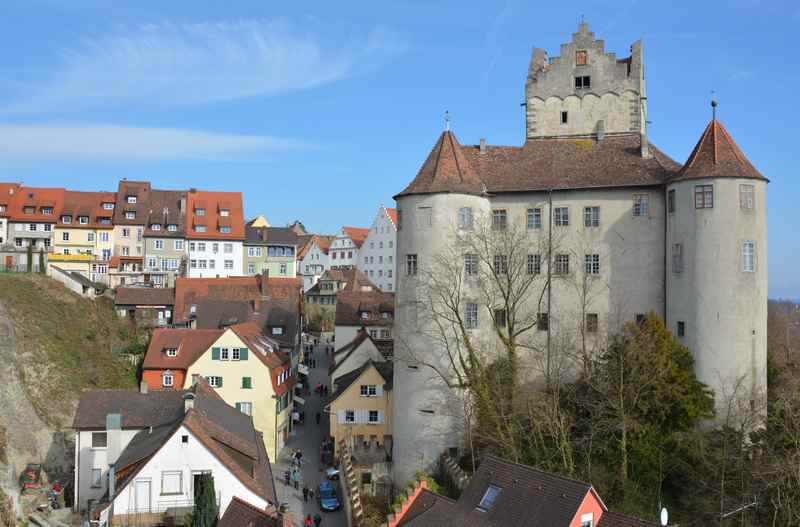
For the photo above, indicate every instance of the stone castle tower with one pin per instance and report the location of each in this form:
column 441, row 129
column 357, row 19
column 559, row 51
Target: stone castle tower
column 686, row 242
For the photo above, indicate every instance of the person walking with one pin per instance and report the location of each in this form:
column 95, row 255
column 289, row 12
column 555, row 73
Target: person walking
column 317, row 520
column 307, row 522
column 318, row 418
column 305, row 493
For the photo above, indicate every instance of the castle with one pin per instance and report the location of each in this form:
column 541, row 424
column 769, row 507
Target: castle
column 688, row 242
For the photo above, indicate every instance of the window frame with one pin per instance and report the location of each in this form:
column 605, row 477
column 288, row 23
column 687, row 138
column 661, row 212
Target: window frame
column 533, row 218
column 561, row 264
column 179, row 473
column 748, row 256
column 641, row 205
column 591, row 216
column 470, row 315
column 705, row 193
column 561, row 216
column 99, row 434
column 499, row 219
column 747, row 197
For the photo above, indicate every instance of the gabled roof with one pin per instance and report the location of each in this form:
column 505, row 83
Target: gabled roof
column 350, row 304
column 445, row 170
column 88, row 204
column 241, row 514
column 615, row 519
column 212, row 203
column 270, row 236
column 384, row 369
column 392, row 213
column 190, row 343
column 37, row 198
column 7, row 193
column 717, row 155
column 144, row 296
column 164, row 208
column 125, row 188
column 357, row 234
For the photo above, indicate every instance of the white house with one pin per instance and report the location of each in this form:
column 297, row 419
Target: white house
column 377, row 255
column 344, row 249
column 215, row 234
column 139, row 454
column 315, row 261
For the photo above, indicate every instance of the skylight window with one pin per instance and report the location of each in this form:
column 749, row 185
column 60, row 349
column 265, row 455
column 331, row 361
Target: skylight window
column 488, row 498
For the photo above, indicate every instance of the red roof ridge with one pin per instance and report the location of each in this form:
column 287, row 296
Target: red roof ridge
column 716, row 154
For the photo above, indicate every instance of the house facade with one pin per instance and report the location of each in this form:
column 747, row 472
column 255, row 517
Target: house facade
column 165, row 237
column 32, row 216
column 215, row 234
column 378, row 254
column 270, row 249
column 314, row 261
column 371, row 310
column 343, row 252
column 83, row 240
column 602, row 208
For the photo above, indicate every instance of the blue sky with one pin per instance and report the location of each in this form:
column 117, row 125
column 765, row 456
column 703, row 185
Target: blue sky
column 322, row 111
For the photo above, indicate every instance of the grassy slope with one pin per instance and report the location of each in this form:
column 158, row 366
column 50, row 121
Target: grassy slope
column 64, row 344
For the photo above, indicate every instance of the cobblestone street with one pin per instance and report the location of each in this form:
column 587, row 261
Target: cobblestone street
column 308, row 438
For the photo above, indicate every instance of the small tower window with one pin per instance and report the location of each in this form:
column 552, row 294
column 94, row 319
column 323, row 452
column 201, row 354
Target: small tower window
column 583, row 82
column 564, row 117
column 681, row 328
column 580, row 57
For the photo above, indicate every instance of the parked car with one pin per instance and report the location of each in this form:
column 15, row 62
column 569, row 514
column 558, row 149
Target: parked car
column 326, row 495
column 31, row 477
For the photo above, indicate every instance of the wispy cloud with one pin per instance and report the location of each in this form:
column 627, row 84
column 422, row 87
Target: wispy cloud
column 91, row 143
column 205, row 62
column 741, row 75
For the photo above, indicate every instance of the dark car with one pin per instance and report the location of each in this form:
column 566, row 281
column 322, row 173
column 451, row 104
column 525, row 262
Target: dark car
column 326, row 495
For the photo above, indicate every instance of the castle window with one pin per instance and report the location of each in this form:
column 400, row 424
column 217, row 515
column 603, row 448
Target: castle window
column 500, row 318
column 542, row 321
column 641, row 205
column 425, row 216
column 564, row 117
column 746, row 197
column 591, row 216
column 471, row 264
column 677, row 258
column 561, row 216
column 591, row 322
column 681, row 328
column 748, row 256
column 562, row 264
column 501, row 264
column 535, row 218
column 499, row 219
column 411, row 264
column 465, row 218
column 583, row 82
column 671, row 201
column 592, row 263
column 704, row 197
column 534, row 264
column 471, row 316
column 580, row 57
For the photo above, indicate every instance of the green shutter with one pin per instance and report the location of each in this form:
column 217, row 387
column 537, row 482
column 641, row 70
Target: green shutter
column 214, row 353
column 242, row 353
column 220, row 382
column 247, row 382
column 239, row 406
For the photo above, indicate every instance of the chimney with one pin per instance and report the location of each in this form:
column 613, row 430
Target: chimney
column 188, row 402
column 264, row 234
column 192, row 191
column 142, row 387
column 483, row 146
column 182, row 205
column 113, row 437
column 645, row 146
column 601, row 129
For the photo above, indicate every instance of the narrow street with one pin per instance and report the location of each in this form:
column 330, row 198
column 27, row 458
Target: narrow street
column 308, row 438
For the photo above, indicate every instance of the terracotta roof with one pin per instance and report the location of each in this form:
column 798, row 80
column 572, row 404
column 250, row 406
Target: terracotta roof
column 542, row 164
column 213, row 203
column 241, row 514
column 324, row 243
column 392, row 213
column 615, row 519
column 304, row 243
column 268, row 352
column 163, row 208
column 717, row 155
column 190, row 343
column 351, row 304
column 7, row 192
column 190, row 291
column 446, row 170
column 115, row 260
column 125, row 188
column 357, row 234
column 144, row 296
column 37, row 198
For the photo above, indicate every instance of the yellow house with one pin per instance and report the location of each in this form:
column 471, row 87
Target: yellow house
column 361, row 407
column 249, row 372
column 84, row 233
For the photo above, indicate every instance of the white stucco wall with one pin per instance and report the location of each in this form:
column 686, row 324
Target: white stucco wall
column 88, row 458
column 346, row 251
column 378, row 255
column 312, row 266
column 218, row 257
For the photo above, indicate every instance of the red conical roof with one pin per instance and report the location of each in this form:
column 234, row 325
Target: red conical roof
column 445, row 170
column 717, row 155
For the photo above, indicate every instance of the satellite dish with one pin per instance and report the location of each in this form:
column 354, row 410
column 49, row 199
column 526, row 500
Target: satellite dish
column 664, row 516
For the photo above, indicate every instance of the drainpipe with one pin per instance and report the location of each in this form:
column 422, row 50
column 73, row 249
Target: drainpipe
column 549, row 275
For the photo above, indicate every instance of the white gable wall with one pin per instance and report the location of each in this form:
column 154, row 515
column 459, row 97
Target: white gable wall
column 378, row 255
column 88, row 458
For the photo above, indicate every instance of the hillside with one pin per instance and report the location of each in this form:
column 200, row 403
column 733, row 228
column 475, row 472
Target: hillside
column 53, row 345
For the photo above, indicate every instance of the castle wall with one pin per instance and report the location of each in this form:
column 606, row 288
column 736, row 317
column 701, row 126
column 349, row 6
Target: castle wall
column 723, row 307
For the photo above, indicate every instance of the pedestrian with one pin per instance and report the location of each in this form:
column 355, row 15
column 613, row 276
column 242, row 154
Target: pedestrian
column 307, row 522
column 305, row 493
column 286, row 477
column 317, row 520
column 311, row 493
column 296, row 479
column 318, row 418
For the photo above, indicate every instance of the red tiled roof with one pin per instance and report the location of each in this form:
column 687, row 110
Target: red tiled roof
column 125, row 188
column 190, row 343
column 324, row 243
column 213, row 203
column 357, row 234
column 89, row 204
column 392, row 213
column 7, row 193
column 115, row 260
column 351, row 304
column 446, row 170
column 717, row 155
column 37, row 198
column 190, row 291
column 273, row 358
column 242, row 514
column 143, row 296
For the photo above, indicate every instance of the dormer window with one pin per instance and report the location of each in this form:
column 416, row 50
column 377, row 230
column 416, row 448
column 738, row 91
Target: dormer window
column 29, row 210
column 108, row 205
column 224, row 213
column 155, row 227
column 130, row 215
column 277, row 330
column 104, row 220
column 193, row 309
column 66, row 220
column 224, row 229
column 489, row 498
column 83, row 220
column 200, row 228
column 131, row 199
column 386, row 314
column 171, row 352
column 172, row 227
column 47, row 211
column 200, row 212
column 365, row 315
